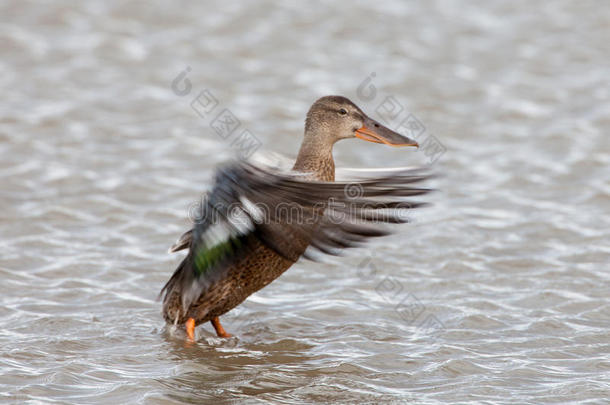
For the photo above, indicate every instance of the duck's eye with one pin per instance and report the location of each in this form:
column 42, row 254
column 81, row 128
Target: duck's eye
column 343, row 111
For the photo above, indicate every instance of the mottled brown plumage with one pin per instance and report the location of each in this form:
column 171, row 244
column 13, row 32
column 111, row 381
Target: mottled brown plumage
column 260, row 254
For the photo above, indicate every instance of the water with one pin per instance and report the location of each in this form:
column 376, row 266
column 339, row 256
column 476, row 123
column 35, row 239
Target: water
column 499, row 293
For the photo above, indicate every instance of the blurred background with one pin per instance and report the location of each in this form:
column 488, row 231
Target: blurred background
column 499, row 292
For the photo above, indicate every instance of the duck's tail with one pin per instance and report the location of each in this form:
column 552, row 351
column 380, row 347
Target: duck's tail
column 174, row 280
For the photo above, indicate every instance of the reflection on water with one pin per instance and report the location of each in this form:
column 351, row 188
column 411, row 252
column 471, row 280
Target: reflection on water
column 101, row 159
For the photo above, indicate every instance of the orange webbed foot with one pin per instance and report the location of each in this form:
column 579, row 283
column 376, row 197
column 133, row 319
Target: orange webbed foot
column 190, row 329
column 220, row 331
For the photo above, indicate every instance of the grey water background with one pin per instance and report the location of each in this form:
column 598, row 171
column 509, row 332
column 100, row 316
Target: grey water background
column 498, row 293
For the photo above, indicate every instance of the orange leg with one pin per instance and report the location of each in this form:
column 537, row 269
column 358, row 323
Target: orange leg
column 220, row 331
column 190, row 329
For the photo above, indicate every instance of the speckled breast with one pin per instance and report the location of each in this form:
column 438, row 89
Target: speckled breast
column 254, row 271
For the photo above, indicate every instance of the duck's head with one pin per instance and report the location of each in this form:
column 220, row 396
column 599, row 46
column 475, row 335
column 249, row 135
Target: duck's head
column 332, row 118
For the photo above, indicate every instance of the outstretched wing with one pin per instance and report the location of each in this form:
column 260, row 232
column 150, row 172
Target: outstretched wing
column 287, row 212
column 183, row 242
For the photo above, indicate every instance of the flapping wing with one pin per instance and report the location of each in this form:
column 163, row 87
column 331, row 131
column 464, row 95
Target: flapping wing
column 330, row 216
column 287, row 212
column 183, row 242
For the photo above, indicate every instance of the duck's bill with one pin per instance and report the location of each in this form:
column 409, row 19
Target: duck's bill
column 373, row 131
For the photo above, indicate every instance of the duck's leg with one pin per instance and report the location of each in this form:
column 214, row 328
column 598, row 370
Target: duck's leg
column 190, row 329
column 220, row 331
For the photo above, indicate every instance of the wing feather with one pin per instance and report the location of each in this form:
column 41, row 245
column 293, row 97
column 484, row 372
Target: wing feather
column 287, row 212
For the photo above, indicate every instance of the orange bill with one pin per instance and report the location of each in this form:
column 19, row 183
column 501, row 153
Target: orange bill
column 372, row 131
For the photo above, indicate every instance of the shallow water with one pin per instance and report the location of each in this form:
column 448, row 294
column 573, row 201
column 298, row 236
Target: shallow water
column 499, row 292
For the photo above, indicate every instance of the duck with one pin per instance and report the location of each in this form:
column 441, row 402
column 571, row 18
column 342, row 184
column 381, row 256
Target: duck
column 258, row 219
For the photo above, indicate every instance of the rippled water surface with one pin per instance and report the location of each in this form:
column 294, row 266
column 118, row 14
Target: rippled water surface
column 499, row 292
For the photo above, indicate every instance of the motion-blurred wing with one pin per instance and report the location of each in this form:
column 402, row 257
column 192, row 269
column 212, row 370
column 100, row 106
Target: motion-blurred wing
column 287, row 212
column 183, row 242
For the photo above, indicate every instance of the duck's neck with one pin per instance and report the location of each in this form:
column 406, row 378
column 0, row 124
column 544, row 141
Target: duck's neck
column 317, row 158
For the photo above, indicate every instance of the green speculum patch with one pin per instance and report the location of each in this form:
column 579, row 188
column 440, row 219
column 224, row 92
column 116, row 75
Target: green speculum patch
column 206, row 258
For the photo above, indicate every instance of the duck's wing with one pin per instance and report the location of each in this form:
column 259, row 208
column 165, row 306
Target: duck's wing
column 330, row 216
column 287, row 212
column 183, row 242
